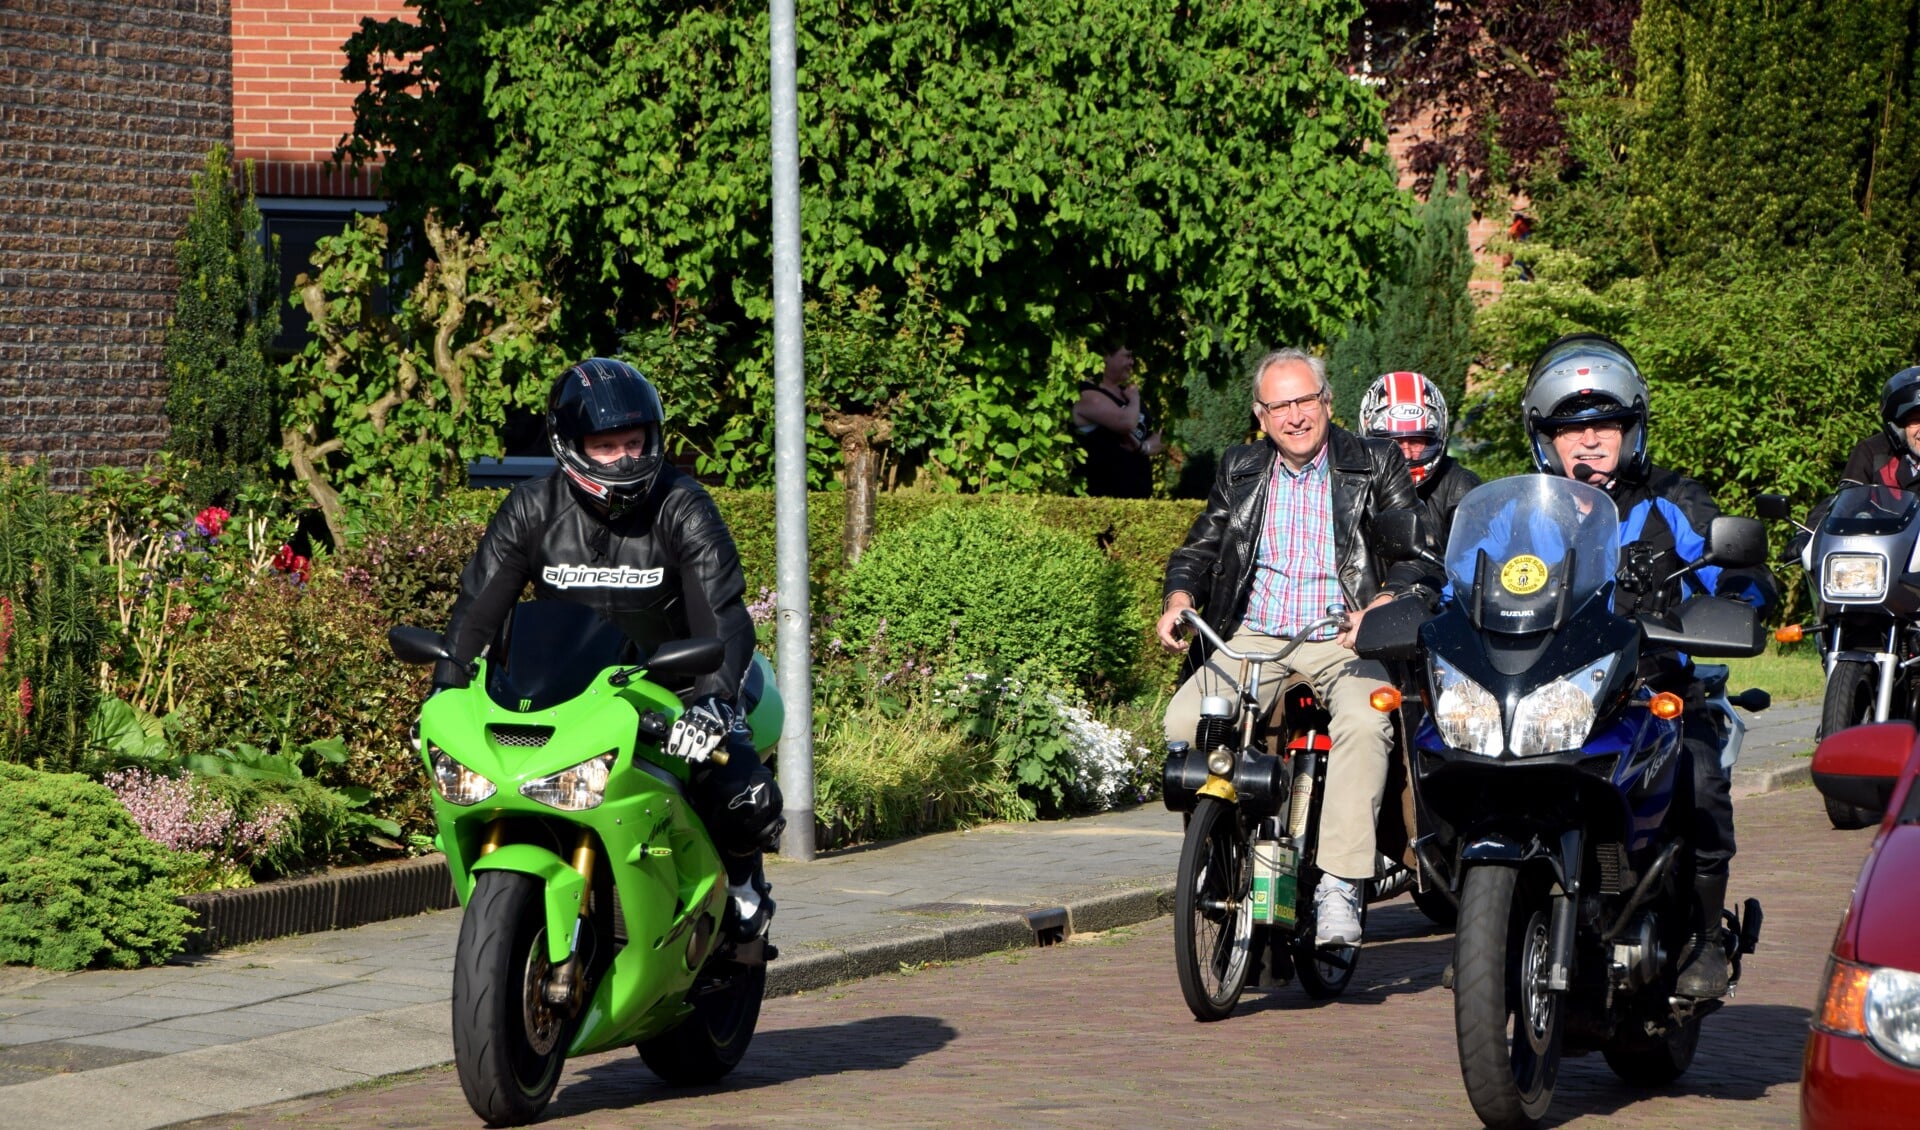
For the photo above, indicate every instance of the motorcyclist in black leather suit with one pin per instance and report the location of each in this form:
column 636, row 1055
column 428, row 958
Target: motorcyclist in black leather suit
column 618, row 528
column 1409, row 409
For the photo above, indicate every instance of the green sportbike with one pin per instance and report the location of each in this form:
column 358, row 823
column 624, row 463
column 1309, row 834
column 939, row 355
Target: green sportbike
column 597, row 911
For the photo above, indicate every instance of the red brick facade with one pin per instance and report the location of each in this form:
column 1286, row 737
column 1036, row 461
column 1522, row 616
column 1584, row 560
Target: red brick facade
column 289, row 106
column 107, row 109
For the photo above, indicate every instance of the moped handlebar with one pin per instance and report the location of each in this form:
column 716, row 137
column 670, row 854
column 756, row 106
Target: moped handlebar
column 1336, row 617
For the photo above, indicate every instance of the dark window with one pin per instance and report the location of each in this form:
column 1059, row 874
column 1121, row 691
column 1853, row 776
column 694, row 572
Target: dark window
column 299, row 224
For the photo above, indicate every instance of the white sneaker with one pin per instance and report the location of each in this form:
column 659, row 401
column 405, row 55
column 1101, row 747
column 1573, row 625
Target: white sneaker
column 1336, row 912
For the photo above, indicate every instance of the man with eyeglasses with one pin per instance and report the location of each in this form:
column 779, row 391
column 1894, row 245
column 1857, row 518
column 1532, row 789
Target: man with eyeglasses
column 1585, row 410
column 1284, row 536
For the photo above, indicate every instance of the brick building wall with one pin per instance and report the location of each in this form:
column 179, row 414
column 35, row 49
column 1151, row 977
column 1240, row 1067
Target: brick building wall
column 107, row 109
column 289, row 106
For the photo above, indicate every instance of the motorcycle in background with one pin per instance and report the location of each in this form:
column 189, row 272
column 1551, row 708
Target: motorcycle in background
column 1549, row 769
column 1861, row 556
column 596, row 903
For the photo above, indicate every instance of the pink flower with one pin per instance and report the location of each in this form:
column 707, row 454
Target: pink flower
column 26, row 697
column 6, row 626
column 211, row 521
column 293, row 564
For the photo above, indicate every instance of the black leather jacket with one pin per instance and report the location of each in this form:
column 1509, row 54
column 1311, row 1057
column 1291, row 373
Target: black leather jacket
column 1440, row 492
column 667, row 571
column 1215, row 566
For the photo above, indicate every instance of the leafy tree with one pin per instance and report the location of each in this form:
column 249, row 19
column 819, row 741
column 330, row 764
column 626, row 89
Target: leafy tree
column 221, row 397
column 1776, row 126
column 1425, row 317
column 394, row 405
column 1201, row 175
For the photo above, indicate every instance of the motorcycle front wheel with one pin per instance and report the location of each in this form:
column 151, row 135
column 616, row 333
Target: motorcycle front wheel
column 1849, row 702
column 1507, row 1022
column 508, row 1042
column 1212, row 911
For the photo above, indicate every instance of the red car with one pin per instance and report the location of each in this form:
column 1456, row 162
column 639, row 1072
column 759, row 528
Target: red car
column 1862, row 1066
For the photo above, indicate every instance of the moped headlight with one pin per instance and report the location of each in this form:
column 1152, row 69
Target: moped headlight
column 1560, row 715
column 574, row 788
column 1853, row 576
column 457, row 783
column 1467, row 716
column 1893, row 1014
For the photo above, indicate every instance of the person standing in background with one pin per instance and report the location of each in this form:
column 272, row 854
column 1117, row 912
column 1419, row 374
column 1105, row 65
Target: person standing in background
column 1115, row 431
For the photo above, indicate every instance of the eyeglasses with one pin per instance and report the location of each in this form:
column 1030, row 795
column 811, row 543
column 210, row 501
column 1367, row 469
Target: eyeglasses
column 1308, row 404
column 1597, row 427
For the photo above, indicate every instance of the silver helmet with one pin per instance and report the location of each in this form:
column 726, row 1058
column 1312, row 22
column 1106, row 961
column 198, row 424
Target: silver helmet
column 1586, row 378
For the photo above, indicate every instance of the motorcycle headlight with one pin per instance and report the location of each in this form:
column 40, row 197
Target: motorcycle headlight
column 1559, row 715
column 1465, row 714
column 575, row 788
column 1893, row 1014
column 1853, row 576
column 457, row 783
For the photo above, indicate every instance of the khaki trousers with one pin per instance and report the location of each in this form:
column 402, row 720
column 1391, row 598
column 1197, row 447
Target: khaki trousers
column 1362, row 736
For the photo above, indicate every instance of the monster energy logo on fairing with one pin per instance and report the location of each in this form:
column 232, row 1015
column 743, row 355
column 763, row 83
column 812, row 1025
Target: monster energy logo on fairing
column 618, row 577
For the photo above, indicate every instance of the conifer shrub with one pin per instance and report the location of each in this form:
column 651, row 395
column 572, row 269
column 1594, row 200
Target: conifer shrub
column 79, row 885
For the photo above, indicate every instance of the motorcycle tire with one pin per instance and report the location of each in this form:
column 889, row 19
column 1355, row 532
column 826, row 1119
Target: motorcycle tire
column 508, row 1042
column 1643, row 1060
column 711, row 1042
column 1508, row 1026
column 1213, row 911
column 1848, row 702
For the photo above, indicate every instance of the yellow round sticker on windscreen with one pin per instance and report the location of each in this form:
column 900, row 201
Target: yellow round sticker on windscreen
column 1523, row 575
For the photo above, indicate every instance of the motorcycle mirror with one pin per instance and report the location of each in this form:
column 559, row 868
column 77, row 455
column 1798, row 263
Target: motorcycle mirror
column 1773, row 507
column 417, row 645
column 700, row 655
column 1737, row 543
column 1397, row 536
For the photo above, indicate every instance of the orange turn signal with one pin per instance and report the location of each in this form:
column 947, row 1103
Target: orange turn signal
column 1666, row 704
column 1843, row 1000
column 1791, row 633
column 1386, row 700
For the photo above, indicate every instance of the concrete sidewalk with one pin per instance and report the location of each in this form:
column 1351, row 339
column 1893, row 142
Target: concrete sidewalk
column 208, row 1035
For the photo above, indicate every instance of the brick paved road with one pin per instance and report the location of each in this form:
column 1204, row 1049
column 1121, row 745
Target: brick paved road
column 1094, row 1034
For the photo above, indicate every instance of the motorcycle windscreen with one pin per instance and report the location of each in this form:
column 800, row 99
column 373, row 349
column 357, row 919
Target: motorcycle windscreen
column 1870, row 511
column 1527, row 552
column 551, row 651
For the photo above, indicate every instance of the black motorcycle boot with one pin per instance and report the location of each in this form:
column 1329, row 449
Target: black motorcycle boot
column 747, row 883
column 1705, row 971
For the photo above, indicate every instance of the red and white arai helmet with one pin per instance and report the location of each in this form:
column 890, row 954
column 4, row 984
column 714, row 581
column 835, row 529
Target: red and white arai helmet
column 1408, row 408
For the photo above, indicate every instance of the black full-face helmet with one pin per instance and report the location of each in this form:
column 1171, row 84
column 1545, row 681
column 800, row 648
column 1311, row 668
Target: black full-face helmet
column 1899, row 399
column 603, row 395
column 1586, row 378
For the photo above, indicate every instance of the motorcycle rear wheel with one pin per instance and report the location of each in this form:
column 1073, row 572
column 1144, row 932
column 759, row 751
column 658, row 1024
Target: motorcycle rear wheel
column 1642, row 1060
column 705, row 1046
column 508, row 1043
column 1213, row 911
column 1849, row 702
column 1507, row 1023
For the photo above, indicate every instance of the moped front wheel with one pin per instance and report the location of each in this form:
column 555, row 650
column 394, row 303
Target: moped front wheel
column 1212, row 911
column 508, row 1042
column 1508, row 1024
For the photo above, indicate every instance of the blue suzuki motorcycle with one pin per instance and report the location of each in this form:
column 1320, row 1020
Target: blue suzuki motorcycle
column 1547, row 770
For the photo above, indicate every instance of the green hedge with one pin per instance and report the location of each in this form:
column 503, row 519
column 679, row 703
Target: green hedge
column 79, row 884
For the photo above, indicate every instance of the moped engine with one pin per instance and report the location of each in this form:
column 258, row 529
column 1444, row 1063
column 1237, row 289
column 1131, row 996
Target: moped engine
column 1637, row 955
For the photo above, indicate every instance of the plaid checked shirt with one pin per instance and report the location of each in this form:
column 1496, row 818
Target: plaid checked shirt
column 1293, row 572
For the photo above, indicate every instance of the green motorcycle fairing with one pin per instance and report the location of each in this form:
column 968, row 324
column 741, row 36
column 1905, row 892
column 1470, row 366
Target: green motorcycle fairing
column 666, row 873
